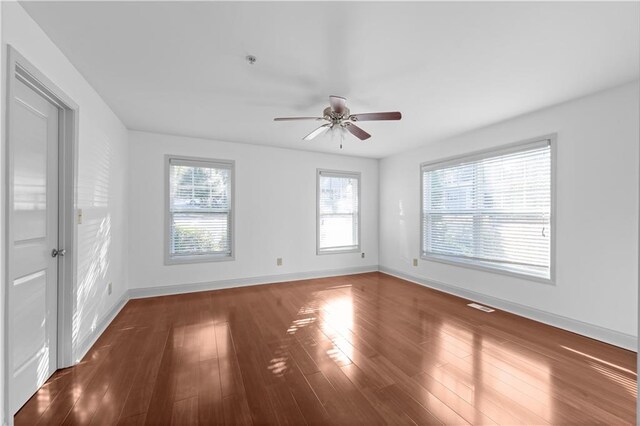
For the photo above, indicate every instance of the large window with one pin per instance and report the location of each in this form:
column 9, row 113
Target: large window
column 338, row 212
column 491, row 210
column 200, row 210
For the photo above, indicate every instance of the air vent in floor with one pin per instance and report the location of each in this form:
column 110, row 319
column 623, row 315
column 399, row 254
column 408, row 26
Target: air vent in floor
column 480, row 307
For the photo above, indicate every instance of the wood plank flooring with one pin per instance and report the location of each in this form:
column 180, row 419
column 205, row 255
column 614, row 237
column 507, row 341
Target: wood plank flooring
column 360, row 349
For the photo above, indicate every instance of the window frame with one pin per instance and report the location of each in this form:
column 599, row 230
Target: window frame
column 205, row 258
column 342, row 174
column 479, row 155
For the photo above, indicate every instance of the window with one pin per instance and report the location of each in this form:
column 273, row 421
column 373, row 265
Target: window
column 491, row 210
column 338, row 212
column 200, row 210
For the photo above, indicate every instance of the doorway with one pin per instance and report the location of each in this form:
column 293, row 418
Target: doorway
column 40, row 218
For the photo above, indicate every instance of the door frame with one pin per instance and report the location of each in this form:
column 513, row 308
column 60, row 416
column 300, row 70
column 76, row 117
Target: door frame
column 19, row 68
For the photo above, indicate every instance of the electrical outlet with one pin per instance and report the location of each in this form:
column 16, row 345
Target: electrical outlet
column 362, row 255
column 415, row 262
column 279, row 261
column 109, row 288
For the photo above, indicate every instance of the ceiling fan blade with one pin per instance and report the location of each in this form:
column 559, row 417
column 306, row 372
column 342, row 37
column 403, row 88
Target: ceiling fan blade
column 338, row 103
column 316, row 132
column 297, row 118
column 373, row 116
column 356, row 131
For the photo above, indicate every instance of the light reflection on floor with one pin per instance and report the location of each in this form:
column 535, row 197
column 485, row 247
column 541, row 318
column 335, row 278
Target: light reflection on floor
column 371, row 347
column 468, row 364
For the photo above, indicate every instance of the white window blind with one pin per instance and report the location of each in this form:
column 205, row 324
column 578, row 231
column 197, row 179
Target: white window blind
column 338, row 211
column 491, row 210
column 200, row 209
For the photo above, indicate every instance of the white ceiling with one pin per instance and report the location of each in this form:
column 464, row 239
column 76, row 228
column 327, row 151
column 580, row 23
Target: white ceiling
column 179, row 68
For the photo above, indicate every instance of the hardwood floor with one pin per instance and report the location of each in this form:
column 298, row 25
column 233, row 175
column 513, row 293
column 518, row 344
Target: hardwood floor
column 361, row 349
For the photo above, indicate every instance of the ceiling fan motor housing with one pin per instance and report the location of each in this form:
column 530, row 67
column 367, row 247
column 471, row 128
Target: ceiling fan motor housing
column 335, row 117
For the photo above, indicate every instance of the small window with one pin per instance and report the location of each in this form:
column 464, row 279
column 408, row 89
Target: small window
column 338, row 212
column 200, row 210
column 491, row 210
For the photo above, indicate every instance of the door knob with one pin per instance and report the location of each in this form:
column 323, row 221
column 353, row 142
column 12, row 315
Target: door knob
column 56, row 252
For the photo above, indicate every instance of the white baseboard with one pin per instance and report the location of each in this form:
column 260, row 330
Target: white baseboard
column 90, row 340
column 606, row 335
column 139, row 293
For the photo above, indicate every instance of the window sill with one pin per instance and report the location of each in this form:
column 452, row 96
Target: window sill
column 487, row 268
column 320, row 252
column 180, row 260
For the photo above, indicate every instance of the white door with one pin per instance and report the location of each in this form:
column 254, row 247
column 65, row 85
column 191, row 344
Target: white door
column 33, row 233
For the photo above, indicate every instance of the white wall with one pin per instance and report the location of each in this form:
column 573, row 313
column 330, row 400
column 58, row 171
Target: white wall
column 275, row 214
column 102, row 167
column 597, row 211
column 2, row 227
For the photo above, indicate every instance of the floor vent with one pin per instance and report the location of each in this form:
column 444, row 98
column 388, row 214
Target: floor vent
column 480, row 307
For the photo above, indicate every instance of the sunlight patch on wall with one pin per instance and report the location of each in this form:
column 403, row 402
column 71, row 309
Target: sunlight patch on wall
column 94, row 237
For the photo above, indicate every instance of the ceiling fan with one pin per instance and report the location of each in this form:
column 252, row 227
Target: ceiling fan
column 339, row 115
